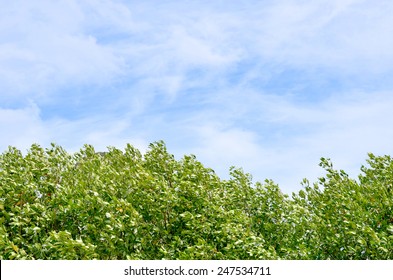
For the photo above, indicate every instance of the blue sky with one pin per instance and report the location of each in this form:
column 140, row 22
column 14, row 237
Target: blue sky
column 269, row 86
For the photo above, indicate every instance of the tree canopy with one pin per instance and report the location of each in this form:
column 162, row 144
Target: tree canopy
column 123, row 204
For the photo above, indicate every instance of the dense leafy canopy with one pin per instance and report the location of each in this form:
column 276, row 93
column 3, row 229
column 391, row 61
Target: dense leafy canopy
column 125, row 205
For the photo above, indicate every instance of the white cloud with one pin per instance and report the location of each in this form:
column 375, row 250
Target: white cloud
column 287, row 149
column 101, row 132
column 226, row 145
column 21, row 127
column 45, row 47
column 346, row 36
column 278, row 138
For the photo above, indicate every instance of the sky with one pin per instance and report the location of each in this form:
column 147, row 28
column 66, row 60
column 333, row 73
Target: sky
column 268, row 86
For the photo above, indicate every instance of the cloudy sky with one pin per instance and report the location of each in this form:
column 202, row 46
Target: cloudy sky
column 269, row 86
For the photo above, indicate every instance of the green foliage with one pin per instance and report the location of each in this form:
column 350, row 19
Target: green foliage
column 125, row 205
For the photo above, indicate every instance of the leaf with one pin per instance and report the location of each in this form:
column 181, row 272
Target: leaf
column 16, row 249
